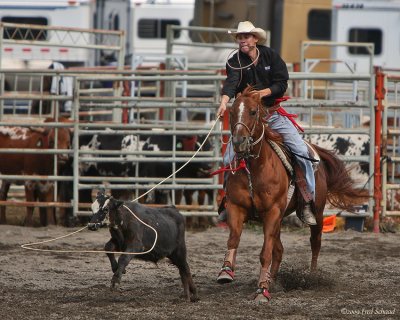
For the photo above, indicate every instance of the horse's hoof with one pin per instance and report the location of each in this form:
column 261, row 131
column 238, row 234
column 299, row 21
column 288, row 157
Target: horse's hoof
column 262, row 295
column 226, row 275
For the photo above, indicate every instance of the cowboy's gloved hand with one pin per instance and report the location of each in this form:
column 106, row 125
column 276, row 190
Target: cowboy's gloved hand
column 221, row 110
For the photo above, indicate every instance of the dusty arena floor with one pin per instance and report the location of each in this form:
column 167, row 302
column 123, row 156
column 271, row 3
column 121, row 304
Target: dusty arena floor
column 358, row 278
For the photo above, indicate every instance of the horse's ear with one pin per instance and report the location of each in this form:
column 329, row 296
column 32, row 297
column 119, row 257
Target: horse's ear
column 256, row 96
column 248, row 90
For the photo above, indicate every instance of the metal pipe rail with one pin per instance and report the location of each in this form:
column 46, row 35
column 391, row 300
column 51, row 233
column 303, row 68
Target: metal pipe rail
column 35, row 151
column 149, row 133
column 66, row 34
column 324, row 103
column 195, row 183
column 151, row 185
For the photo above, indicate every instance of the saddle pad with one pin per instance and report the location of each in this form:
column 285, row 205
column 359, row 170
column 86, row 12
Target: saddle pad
column 281, row 151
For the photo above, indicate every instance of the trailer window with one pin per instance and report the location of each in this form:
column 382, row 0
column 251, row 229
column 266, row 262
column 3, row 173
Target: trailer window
column 113, row 21
column 156, row 28
column 365, row 35
column 24, row 33
column 319, row 24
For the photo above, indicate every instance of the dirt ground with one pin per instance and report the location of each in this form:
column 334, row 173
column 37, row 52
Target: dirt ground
column 358, row 278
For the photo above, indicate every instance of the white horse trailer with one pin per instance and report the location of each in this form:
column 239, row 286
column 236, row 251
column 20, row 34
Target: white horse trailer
column 61, row 13
column 367, row 21
column 144, row 23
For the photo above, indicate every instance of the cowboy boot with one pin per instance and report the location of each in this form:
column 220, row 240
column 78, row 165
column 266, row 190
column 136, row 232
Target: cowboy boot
column 222, row 210
column 307, row 217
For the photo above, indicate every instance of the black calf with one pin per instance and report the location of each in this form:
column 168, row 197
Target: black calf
column 134, row 228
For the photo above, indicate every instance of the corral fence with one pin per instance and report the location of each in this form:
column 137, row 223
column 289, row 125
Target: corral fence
column 119, row 102
column 93, row 109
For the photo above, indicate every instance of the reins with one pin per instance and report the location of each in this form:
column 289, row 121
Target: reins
column 28, row 246
column 251, row 132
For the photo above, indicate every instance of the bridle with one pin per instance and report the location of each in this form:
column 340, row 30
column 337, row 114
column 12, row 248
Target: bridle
column 250, row 141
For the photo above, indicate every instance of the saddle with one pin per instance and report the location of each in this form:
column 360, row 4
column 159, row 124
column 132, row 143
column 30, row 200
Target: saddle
column 295, row 172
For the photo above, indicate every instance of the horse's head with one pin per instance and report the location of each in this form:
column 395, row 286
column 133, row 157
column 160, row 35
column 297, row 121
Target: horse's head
column 246, row 127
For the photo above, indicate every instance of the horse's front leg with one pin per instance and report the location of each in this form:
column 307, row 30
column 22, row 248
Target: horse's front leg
column 235, row 221
column 277, row 253
column 271, row 226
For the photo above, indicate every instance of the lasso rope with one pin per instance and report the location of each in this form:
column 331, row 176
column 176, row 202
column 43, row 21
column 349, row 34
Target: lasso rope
column 28, row 246
column 241, row 68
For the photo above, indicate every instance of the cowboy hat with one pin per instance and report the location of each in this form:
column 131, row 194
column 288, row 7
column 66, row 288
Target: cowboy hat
column 248, row 27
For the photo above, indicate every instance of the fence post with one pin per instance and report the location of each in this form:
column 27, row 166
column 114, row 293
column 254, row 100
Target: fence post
column 379, row 96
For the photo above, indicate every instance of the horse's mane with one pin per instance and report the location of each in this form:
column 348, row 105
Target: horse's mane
column 270, row 134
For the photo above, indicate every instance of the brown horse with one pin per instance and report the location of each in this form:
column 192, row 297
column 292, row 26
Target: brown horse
column 260, row 191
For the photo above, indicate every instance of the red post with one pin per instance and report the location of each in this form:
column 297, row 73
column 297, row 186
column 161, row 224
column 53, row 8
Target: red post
column 379, row 96
column 126, row 93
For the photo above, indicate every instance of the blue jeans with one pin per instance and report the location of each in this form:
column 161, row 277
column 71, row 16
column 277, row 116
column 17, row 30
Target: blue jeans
column 292, row 140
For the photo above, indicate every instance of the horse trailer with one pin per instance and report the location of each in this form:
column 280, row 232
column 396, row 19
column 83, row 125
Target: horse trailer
column 144, row 23
column 366, row 21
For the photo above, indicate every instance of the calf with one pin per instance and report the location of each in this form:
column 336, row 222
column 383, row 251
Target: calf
column 157, row 232
column 32, row 164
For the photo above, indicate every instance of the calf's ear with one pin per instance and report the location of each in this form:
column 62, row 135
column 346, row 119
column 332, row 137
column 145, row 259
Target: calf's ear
column 116, row 203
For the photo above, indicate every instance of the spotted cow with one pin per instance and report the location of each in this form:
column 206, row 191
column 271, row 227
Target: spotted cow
column 128, row 165
column 354, row 145
column 346, row 145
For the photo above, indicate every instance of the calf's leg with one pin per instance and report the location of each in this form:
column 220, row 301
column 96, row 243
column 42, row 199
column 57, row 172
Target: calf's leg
column 112, row 246
column 5, row 187
column 30, row 197
column 178, row 258
column 123, row 261
column 48, row 196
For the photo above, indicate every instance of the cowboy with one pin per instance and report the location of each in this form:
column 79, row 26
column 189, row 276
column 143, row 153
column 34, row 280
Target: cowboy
column 261, row 67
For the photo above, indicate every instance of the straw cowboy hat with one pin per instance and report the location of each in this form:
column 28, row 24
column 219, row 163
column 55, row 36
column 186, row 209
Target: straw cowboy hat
column 248, row 27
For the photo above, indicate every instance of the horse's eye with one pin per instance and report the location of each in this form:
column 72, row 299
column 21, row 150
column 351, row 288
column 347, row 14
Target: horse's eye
column 253, row 112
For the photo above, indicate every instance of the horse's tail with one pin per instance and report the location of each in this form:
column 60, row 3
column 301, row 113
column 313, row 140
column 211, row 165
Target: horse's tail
column 342, row 192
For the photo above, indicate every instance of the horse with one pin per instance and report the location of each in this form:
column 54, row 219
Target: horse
column 260, row 191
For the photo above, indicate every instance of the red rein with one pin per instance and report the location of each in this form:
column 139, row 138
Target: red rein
column 242, row 165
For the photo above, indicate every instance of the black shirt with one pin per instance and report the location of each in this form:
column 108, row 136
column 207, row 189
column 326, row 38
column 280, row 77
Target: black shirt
column 270, row 72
